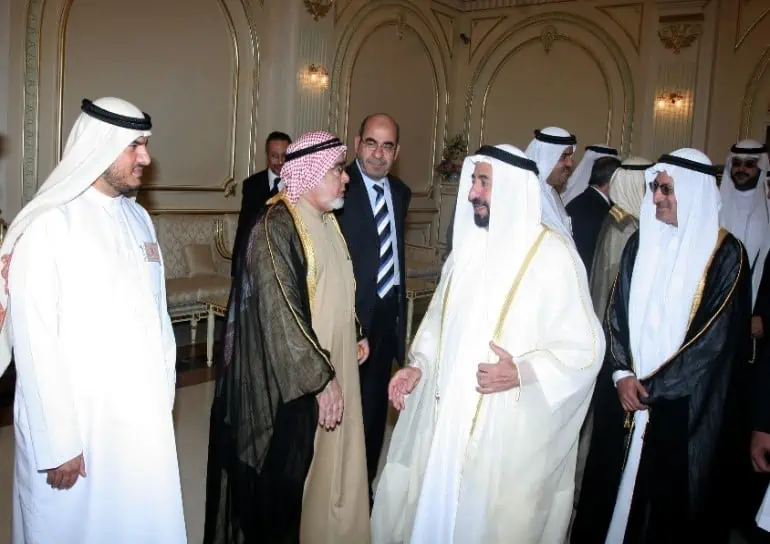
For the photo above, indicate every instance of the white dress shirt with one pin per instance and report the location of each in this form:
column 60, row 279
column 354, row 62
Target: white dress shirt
column 271, row 180
column 370, row 183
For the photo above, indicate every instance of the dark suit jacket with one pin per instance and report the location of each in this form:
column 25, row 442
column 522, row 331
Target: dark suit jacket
column 587, row 211
column 357, row 223
column 256, row 192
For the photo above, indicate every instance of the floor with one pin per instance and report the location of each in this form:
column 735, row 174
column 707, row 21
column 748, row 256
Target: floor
column 191, row 422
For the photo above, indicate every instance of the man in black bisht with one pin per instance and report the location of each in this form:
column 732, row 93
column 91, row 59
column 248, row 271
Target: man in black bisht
column 676, row 326
column 282, row 376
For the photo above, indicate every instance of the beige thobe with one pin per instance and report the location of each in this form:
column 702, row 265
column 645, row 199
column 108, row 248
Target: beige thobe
column 335, row 507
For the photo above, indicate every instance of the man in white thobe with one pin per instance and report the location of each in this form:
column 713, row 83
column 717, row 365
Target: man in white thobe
column 746, row 215
column 552, row 149
column 500, row 377
column 744, row 211
column 84, row 309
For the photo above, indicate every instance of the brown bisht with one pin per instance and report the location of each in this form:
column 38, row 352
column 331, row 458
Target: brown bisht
column 264, row 415
column 693, row 439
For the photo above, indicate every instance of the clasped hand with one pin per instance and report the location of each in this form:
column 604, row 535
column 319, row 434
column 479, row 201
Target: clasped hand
column 330, row 405
column 497, row 377
column 631, row 392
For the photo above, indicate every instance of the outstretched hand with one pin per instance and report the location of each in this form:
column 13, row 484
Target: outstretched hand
column 403, row 382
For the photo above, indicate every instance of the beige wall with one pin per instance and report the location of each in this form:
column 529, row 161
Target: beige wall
column 218, row 75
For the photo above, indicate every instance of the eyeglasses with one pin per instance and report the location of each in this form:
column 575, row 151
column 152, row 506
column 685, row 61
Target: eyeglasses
column 372, row 145
column 665, row 188
column 748, row 163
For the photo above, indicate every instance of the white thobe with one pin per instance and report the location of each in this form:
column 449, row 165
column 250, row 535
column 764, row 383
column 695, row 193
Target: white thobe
column 95, row 359
column 504, row 470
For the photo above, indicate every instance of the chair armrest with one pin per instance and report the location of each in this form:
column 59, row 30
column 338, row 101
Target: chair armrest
column 219, row 239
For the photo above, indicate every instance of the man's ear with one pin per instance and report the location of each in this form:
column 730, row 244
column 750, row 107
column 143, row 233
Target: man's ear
column 356, row 142
column 395, row 153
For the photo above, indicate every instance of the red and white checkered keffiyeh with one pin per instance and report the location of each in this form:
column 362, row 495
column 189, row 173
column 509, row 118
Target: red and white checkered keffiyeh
column 302, row 173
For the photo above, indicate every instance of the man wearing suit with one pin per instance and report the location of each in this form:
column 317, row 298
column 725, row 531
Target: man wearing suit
column 373, row 224
column 258, row 188
column 590, row 207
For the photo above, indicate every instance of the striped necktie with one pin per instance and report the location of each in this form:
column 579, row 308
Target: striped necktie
column 386, row 275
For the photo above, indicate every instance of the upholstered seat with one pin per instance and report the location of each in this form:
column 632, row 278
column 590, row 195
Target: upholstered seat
column 196, row 252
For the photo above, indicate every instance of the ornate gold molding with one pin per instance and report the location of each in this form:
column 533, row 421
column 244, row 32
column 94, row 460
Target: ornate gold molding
column 354, row 35
column 548, row 36
column 637, row 42
column 318, row 8
column 522, row 45
column 590, row 27
column 31, row 99
column 33, row 38
column 678, row 36
column 476, row 43
column 427, row 192
column 739, row 38
column 749, row 97
column 447, row 30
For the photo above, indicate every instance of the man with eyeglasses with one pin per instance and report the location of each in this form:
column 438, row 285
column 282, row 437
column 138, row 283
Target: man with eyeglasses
column 373, row 224
column 658, row 469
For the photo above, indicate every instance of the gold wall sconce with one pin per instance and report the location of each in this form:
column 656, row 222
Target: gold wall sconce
column 317, row 77
column 318, row 8
column 672, row 100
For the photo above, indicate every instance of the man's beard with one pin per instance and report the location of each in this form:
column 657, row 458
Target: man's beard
column 480, row 220
column 748, row 184
column 115, row 180
column 337, row 203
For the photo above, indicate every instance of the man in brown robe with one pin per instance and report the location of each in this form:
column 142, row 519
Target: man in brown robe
column 291, row 354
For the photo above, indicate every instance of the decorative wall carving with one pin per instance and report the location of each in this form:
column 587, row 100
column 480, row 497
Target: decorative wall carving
column 549, row 35
column 31, row 99
column 603, row 41
column 318, row 8
column 678, row 36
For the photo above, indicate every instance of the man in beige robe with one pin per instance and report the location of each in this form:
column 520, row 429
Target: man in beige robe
column 286, row 456
column 626, row 193
column 500, row 376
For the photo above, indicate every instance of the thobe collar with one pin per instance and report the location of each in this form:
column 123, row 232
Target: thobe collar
column 309, row 209
column 109, row 203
